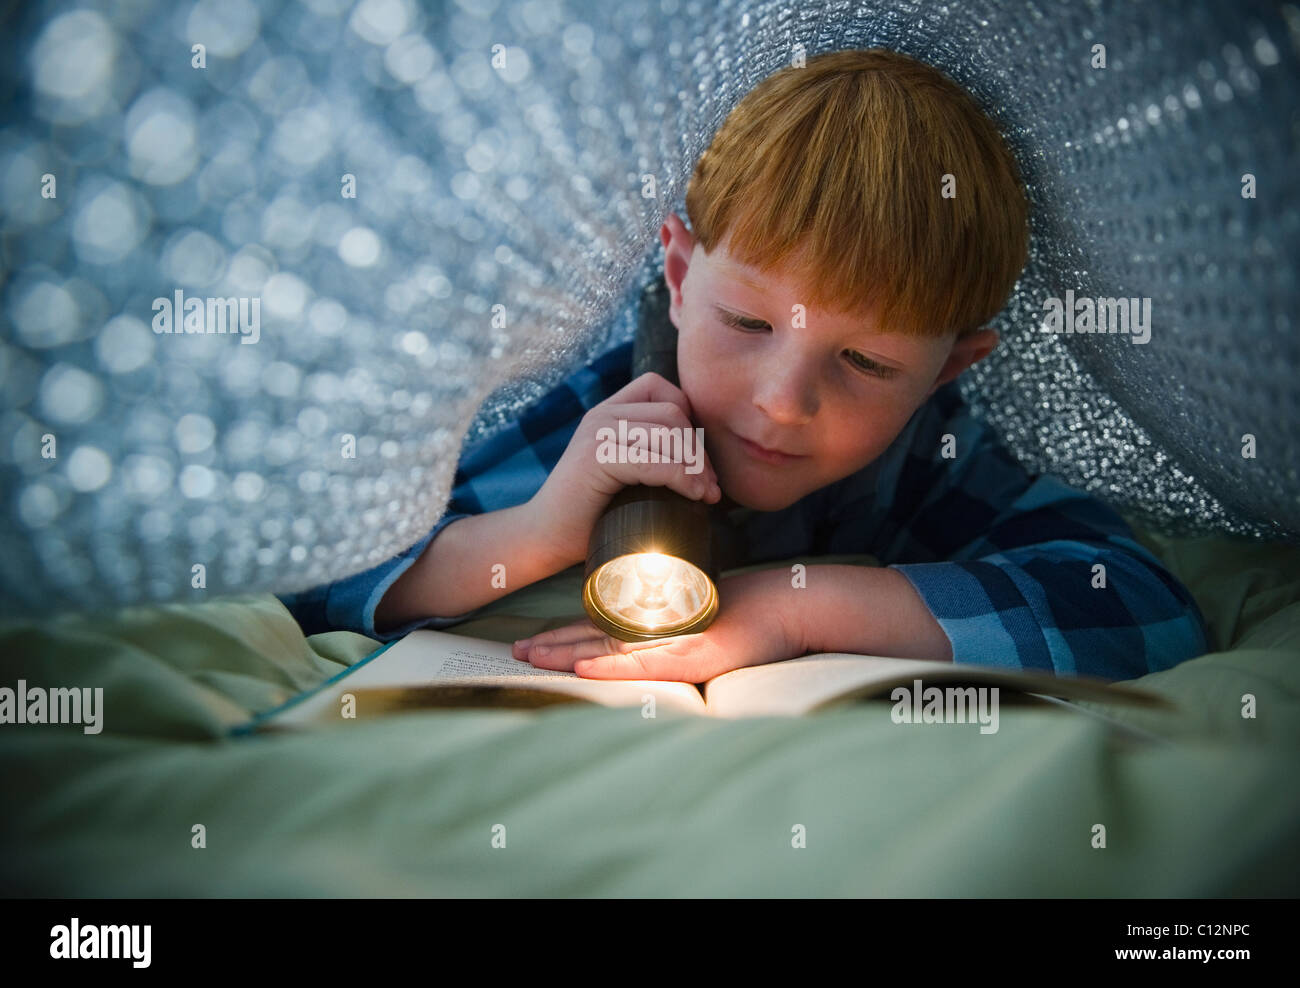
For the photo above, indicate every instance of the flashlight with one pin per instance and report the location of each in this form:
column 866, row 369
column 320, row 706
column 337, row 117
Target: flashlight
column 650, row 566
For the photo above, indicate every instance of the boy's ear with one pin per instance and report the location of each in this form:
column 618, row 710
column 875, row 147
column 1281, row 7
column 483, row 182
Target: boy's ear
column 679, row 246
column 966, row 350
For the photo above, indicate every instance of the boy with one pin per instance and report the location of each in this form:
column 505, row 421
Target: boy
column 856, row 222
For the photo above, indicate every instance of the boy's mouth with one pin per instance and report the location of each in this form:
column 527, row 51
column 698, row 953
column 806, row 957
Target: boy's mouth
column 771, row 456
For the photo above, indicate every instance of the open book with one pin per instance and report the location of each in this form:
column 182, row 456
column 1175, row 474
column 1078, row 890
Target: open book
column 436, row 669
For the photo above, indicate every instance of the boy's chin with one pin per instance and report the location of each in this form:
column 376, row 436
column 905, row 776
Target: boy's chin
column 758, row 500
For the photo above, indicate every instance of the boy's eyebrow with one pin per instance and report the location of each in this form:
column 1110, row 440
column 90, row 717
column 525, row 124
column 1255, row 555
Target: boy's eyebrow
column 746, row 280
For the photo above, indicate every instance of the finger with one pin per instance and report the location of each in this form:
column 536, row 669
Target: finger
column 564, row 655
column 657, row 463
column 667, row 662
column 576, row 631
column 702, row 486
column 651, row 387
column 661, row 413
column 686, row 446
column 655, row 449
column 556, row 636
column 656, row 415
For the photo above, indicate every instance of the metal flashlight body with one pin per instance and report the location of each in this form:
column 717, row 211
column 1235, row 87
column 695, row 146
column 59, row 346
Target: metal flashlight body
column 650, row 569
column 651, row 566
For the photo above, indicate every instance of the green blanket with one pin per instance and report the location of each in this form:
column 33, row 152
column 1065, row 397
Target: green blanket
column 580, row 800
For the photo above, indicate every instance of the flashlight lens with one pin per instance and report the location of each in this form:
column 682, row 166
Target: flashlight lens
column 650, row 591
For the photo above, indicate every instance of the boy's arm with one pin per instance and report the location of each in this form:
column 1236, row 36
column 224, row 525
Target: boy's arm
column 402, row 593
column 1017, row 571
column 349, row 604
column 470, row 551
column 830, row 615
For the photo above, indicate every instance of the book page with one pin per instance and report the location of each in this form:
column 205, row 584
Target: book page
column 798, row 686
column 795, row 686
column 425, row 661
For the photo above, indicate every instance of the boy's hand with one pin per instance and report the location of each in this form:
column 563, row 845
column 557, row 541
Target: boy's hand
column 571, row 500
column 753, row 626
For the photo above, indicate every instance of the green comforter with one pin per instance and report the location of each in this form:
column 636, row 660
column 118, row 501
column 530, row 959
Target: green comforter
column 594, row 801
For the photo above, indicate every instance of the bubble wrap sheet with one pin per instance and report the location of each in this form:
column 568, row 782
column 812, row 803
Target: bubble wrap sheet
column 500, row 233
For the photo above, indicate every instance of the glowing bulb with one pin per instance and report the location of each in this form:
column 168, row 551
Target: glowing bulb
column 651, row 591
column 652, row 569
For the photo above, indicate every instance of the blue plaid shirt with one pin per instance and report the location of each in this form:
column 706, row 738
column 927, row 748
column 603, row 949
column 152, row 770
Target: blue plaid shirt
column 1003, row 560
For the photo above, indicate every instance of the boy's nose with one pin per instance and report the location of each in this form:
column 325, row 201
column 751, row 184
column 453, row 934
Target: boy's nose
column 786, row 394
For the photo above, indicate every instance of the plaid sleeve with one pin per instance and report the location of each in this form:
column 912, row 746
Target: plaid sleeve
column 1020, row 571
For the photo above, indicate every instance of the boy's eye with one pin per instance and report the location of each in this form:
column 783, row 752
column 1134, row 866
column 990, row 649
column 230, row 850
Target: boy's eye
column 742, row 323
column 855, row 358
column 869, row 365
